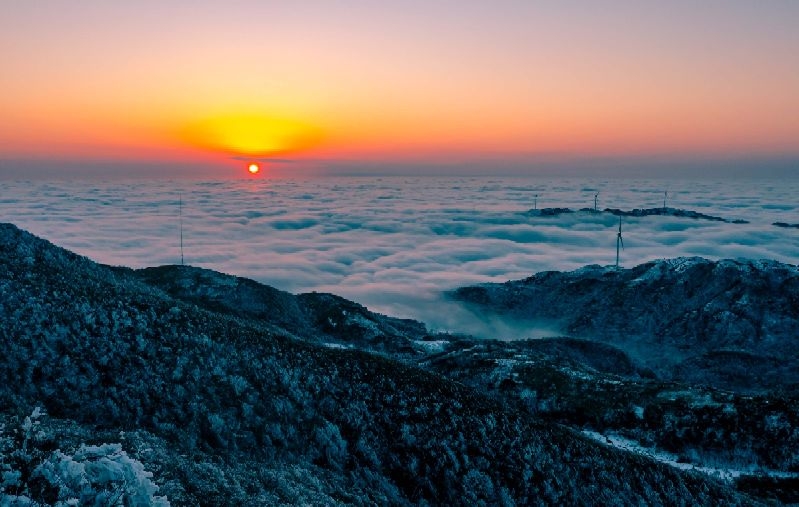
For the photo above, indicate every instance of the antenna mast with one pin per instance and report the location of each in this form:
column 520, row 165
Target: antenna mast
column 619, row 242
column 180, row 215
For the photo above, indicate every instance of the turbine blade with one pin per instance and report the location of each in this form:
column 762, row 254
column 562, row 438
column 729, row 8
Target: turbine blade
column 621, row 241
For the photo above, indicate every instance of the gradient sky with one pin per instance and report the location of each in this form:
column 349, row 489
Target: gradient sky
column 427, row 87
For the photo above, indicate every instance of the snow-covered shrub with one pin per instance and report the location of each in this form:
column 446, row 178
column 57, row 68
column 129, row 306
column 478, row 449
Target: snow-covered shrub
column 331, row 445
column 99, row 475
column 94, row 475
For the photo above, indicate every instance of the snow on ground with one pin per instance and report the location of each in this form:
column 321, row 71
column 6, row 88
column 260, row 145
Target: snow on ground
column 432, row 346
column 335, row 346
column 725, row 474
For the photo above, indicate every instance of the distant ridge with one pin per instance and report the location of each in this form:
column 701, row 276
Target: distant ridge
column 668, row 312
column 671, row 212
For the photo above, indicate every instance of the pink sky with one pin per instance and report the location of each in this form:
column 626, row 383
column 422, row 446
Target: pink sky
column 332, row 85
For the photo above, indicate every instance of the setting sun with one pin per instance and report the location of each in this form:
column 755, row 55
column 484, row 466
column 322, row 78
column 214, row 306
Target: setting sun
column 253, row 168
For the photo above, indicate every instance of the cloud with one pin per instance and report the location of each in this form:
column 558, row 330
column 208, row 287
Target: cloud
column 395, row 244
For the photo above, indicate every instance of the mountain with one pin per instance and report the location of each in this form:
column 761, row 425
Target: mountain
column 729, row 323
column 688, row 360
column 749, row 440
column 638, row 212
column 183, row 386
column 316, row 317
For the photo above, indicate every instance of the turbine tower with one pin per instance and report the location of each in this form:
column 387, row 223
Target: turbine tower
column 619, row 242
column 180, row 215
column 595, row 197
column 665, row 195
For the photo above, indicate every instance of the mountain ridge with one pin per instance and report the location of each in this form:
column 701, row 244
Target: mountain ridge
column 237, row 410
column 665, row 312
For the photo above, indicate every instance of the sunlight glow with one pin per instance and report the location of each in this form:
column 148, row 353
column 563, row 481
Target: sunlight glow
column 396, row 87
column 253, row 135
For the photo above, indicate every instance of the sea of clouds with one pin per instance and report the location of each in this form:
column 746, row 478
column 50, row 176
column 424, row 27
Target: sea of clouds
column 395, row 244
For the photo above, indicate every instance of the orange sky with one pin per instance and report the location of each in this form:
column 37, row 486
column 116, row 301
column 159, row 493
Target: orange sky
column 419, row 82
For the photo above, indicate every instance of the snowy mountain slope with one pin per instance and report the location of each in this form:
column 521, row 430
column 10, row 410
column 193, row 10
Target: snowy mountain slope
column 678, row 317
column 316, row 317
column 594, row 387
column 584, row 384
column 230, row 410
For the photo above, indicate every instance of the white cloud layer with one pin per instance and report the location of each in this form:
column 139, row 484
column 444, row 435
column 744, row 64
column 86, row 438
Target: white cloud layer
column 394, row 244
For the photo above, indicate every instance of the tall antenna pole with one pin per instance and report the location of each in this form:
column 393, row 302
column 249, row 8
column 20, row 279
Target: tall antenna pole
column 619, row 242
column 180, row 214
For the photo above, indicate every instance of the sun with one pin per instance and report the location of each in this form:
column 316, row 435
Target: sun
column 253, row 168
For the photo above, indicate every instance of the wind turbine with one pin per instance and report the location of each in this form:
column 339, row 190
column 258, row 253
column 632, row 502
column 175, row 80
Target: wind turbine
column 619, row 242
column 180, row 215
